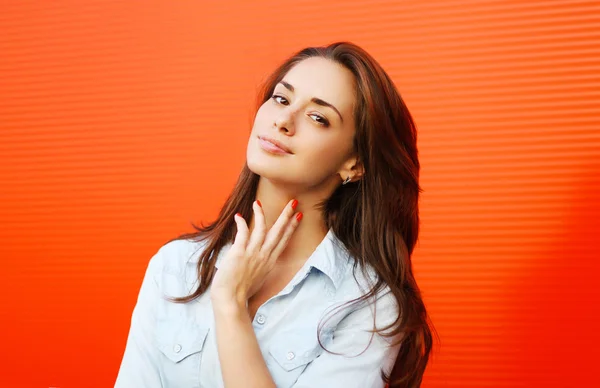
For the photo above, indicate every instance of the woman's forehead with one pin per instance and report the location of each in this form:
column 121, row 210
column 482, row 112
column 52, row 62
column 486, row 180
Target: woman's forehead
column 324, row 79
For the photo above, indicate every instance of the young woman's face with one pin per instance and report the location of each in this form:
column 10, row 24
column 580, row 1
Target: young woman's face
column 303, row 135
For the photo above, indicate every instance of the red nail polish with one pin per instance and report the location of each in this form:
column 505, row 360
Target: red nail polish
column 258, row 202
column 299, row 216
column 239, row 215
column 294, row 204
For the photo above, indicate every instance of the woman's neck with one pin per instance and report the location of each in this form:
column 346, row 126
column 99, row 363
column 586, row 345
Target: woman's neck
column 311, row 230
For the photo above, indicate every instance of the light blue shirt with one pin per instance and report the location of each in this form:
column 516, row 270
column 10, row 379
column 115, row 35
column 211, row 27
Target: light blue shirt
column 173, row 345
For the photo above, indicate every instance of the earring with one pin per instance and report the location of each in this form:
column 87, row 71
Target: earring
column 347, row 180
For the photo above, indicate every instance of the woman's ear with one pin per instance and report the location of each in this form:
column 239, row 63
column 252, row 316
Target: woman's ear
column 353, row 169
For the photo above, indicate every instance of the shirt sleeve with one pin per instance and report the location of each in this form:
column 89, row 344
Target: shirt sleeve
column 139, row 366
column 361, row 354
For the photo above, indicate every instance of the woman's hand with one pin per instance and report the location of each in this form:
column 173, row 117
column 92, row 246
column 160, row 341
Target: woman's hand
column 244, row 268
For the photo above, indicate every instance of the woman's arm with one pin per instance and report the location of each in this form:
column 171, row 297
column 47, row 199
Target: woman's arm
column 139, row 367
column 241, row 273
column 242, row 363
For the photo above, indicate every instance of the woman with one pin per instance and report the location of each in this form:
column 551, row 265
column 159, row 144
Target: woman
column 305, row 278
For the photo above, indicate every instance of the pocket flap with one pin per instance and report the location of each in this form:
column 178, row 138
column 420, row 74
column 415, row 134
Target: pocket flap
column 178, row 340
column 294, row 350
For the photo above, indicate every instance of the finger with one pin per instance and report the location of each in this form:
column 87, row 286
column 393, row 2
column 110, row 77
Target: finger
column 259, row 232
column 276, row 231
column 286, row 236
column 241, row 237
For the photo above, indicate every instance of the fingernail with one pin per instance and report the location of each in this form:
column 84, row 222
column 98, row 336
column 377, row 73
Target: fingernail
column 294, row 204
column 299, row 216
column 258, row 202
column 239, row 215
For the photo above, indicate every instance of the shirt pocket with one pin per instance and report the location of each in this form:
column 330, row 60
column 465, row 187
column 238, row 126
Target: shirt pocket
column 290, row 353
column 181, row 343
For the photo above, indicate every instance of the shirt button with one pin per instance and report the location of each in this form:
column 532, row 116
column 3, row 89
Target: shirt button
column 177, row 348
column 290, row 356
column 261, row 319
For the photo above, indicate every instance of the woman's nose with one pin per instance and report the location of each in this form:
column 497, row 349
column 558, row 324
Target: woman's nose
column 285, row 123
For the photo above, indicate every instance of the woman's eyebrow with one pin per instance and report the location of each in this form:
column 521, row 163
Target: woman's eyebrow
column 316, row 100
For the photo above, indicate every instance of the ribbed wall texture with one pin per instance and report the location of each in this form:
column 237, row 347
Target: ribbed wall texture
column 121, row 122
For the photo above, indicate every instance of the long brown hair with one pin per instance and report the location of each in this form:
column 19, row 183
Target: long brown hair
column 376, row 218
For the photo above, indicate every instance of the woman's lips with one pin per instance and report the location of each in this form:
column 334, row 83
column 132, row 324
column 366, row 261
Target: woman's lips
column 270, row 146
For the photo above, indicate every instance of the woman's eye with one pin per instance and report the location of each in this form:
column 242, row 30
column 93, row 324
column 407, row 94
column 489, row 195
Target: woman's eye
column 315, row 117
column 279, row 99
column 321, row 120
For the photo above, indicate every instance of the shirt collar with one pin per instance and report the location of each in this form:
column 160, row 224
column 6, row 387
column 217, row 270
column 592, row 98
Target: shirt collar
column 330, row 257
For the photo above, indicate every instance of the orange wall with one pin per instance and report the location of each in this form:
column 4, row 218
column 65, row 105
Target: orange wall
column 121, row 122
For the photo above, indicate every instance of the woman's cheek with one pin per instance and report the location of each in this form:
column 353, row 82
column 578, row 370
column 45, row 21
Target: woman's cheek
column 322, row 156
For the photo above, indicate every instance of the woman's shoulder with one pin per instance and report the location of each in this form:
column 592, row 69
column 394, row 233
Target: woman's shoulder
column 177, row 255
column 359, row 280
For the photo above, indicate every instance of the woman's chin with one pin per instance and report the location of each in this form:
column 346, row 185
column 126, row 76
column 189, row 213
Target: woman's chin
column 272, row 172
column 265, row 168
